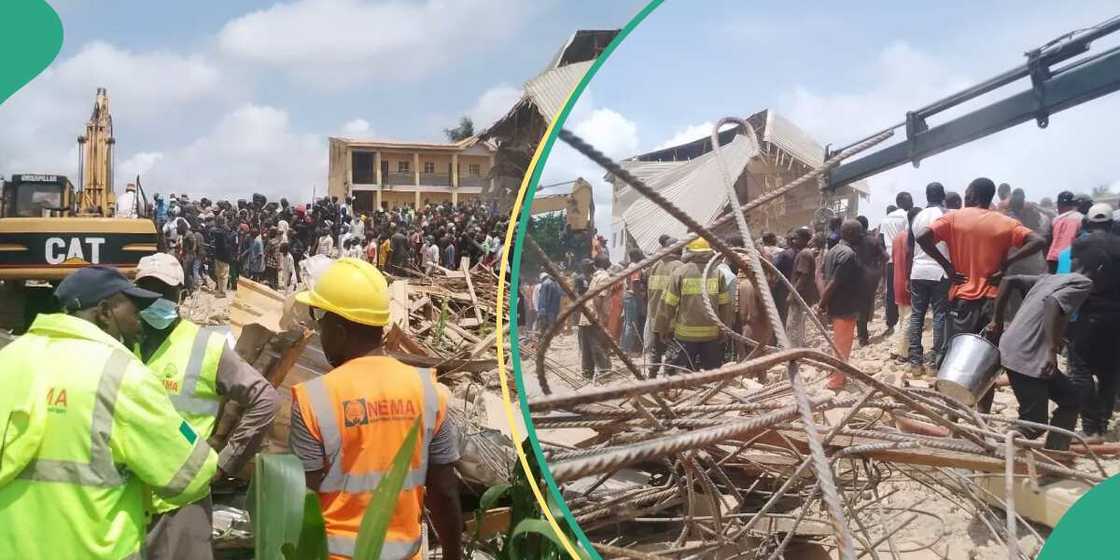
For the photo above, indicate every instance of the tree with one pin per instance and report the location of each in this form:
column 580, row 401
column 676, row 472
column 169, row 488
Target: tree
column 463, row 131
column 1101, row 191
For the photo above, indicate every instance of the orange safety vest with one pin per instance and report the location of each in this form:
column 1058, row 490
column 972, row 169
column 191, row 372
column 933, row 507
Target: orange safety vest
column 361, row 412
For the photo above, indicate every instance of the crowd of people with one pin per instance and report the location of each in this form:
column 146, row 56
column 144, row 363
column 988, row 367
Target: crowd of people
column 1038, row 280
column 217, row 241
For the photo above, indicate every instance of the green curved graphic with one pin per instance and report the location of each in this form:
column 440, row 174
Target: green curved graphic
column 515, row 272
column 32, row 38
column 1086, row 530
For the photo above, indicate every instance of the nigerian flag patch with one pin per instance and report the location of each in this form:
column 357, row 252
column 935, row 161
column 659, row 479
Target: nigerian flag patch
column 188, row 432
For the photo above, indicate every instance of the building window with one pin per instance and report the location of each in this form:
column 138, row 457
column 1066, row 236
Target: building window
column 474, row 169
column 403, row 167
column 429, row 167
column 361, row 168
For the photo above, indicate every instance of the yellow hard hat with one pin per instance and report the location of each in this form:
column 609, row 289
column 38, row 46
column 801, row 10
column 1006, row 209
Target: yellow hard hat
column 352, row 289
column 699, row 245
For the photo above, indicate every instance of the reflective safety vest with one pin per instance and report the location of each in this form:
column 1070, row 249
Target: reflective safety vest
column 187, row 365
column 658, row 281
column 361, row 412
column 682, row 303
column 109, row 433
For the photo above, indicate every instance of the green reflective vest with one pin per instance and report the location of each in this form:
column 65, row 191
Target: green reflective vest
column 187, row 365
column 109, row 434
column 682, row 305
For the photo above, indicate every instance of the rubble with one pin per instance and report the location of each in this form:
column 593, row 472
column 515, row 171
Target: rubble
column 758, row 460
column 442, row 321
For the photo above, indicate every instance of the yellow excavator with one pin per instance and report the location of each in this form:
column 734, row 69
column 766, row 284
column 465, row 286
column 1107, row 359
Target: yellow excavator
column 49, row 227
column 578, row 205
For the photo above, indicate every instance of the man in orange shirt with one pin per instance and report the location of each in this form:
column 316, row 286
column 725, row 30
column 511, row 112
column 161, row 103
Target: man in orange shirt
column 980, row 243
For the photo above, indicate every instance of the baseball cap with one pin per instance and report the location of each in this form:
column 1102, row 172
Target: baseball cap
column 1065, row 197
column 90, row 285
column 161, row 266
column 1099, row 212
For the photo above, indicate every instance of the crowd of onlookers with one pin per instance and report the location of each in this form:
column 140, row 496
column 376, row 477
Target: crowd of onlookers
column 218, row 241
column 1040, row 280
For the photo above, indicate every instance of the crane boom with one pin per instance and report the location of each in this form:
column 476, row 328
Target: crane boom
column 1052, row 90
column 96, row 148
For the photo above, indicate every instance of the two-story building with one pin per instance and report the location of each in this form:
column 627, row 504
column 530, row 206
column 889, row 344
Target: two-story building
column 390, row 174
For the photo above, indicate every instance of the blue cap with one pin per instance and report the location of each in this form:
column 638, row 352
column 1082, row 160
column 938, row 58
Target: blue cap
column 90, row 285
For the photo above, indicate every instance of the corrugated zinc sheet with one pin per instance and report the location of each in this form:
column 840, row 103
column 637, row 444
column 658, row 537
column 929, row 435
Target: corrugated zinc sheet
column 649, row 172
column 696, row 187
column 549, row 90
column 782, row 133
column 789, row 137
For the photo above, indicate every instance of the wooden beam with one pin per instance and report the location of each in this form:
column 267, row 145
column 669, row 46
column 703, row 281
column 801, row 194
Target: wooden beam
column 398, row 304
column 464, row 265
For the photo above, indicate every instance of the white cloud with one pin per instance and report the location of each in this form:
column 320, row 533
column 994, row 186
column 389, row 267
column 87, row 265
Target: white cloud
column 333, row 43
column 357, row 128
column 251, row 149
column 150, row 92
column 611, row 133
column 492, row 105
column 139, row 164
column 1068, row 154
column 687, row 134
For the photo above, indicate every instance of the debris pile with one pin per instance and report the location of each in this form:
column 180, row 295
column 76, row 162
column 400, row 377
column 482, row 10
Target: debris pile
column 442, row 321
column 757, row 459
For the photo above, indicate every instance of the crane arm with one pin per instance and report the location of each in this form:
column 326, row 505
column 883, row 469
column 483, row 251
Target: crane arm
column 1052, row 90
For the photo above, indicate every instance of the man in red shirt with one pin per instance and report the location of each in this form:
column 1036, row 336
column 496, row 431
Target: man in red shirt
column 980, row 243
column 1064, row 228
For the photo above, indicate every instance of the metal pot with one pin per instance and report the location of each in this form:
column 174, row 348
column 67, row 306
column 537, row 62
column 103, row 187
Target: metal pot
column 969, row 369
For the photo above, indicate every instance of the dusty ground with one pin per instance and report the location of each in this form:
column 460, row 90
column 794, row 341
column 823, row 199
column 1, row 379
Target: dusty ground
column 941, row 526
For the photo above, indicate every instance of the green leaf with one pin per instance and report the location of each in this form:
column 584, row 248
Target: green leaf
column 313, row 536
column 489, row 498
column 529, row 527
column 375, row 522
column 276, row 503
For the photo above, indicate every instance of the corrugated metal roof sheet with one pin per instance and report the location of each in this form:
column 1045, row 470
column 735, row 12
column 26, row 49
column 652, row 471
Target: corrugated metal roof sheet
column 789, row 137
column 550, row 90
column 649, row 172
column 782, row 133
column 691, row 186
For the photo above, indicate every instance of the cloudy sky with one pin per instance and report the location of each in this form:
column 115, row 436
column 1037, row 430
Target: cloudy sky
column 843, row 71
column 239, row 97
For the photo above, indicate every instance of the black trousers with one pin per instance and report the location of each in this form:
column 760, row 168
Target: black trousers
column 969, row 316
column 1094, row 366
column 892, row 307
column 657, row 355
column 592, row 351
column 697, row 356
column 1034, row 396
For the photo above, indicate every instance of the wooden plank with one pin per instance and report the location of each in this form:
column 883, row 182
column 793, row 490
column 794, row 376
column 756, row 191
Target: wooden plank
column 469, row 323
column 488, row 343
column 396, row 338
column 419, row 304
column 464, row 265
column 255, row 303
column 398, row 304
column 1046, row 504
column 468, row 336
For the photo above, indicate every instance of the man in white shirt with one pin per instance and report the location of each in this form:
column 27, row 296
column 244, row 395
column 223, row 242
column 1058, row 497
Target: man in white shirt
column 126, row 203
column 929, row 287
column 894, row 223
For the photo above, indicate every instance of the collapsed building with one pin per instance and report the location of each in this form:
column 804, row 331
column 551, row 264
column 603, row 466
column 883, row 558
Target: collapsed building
column 689, row 176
